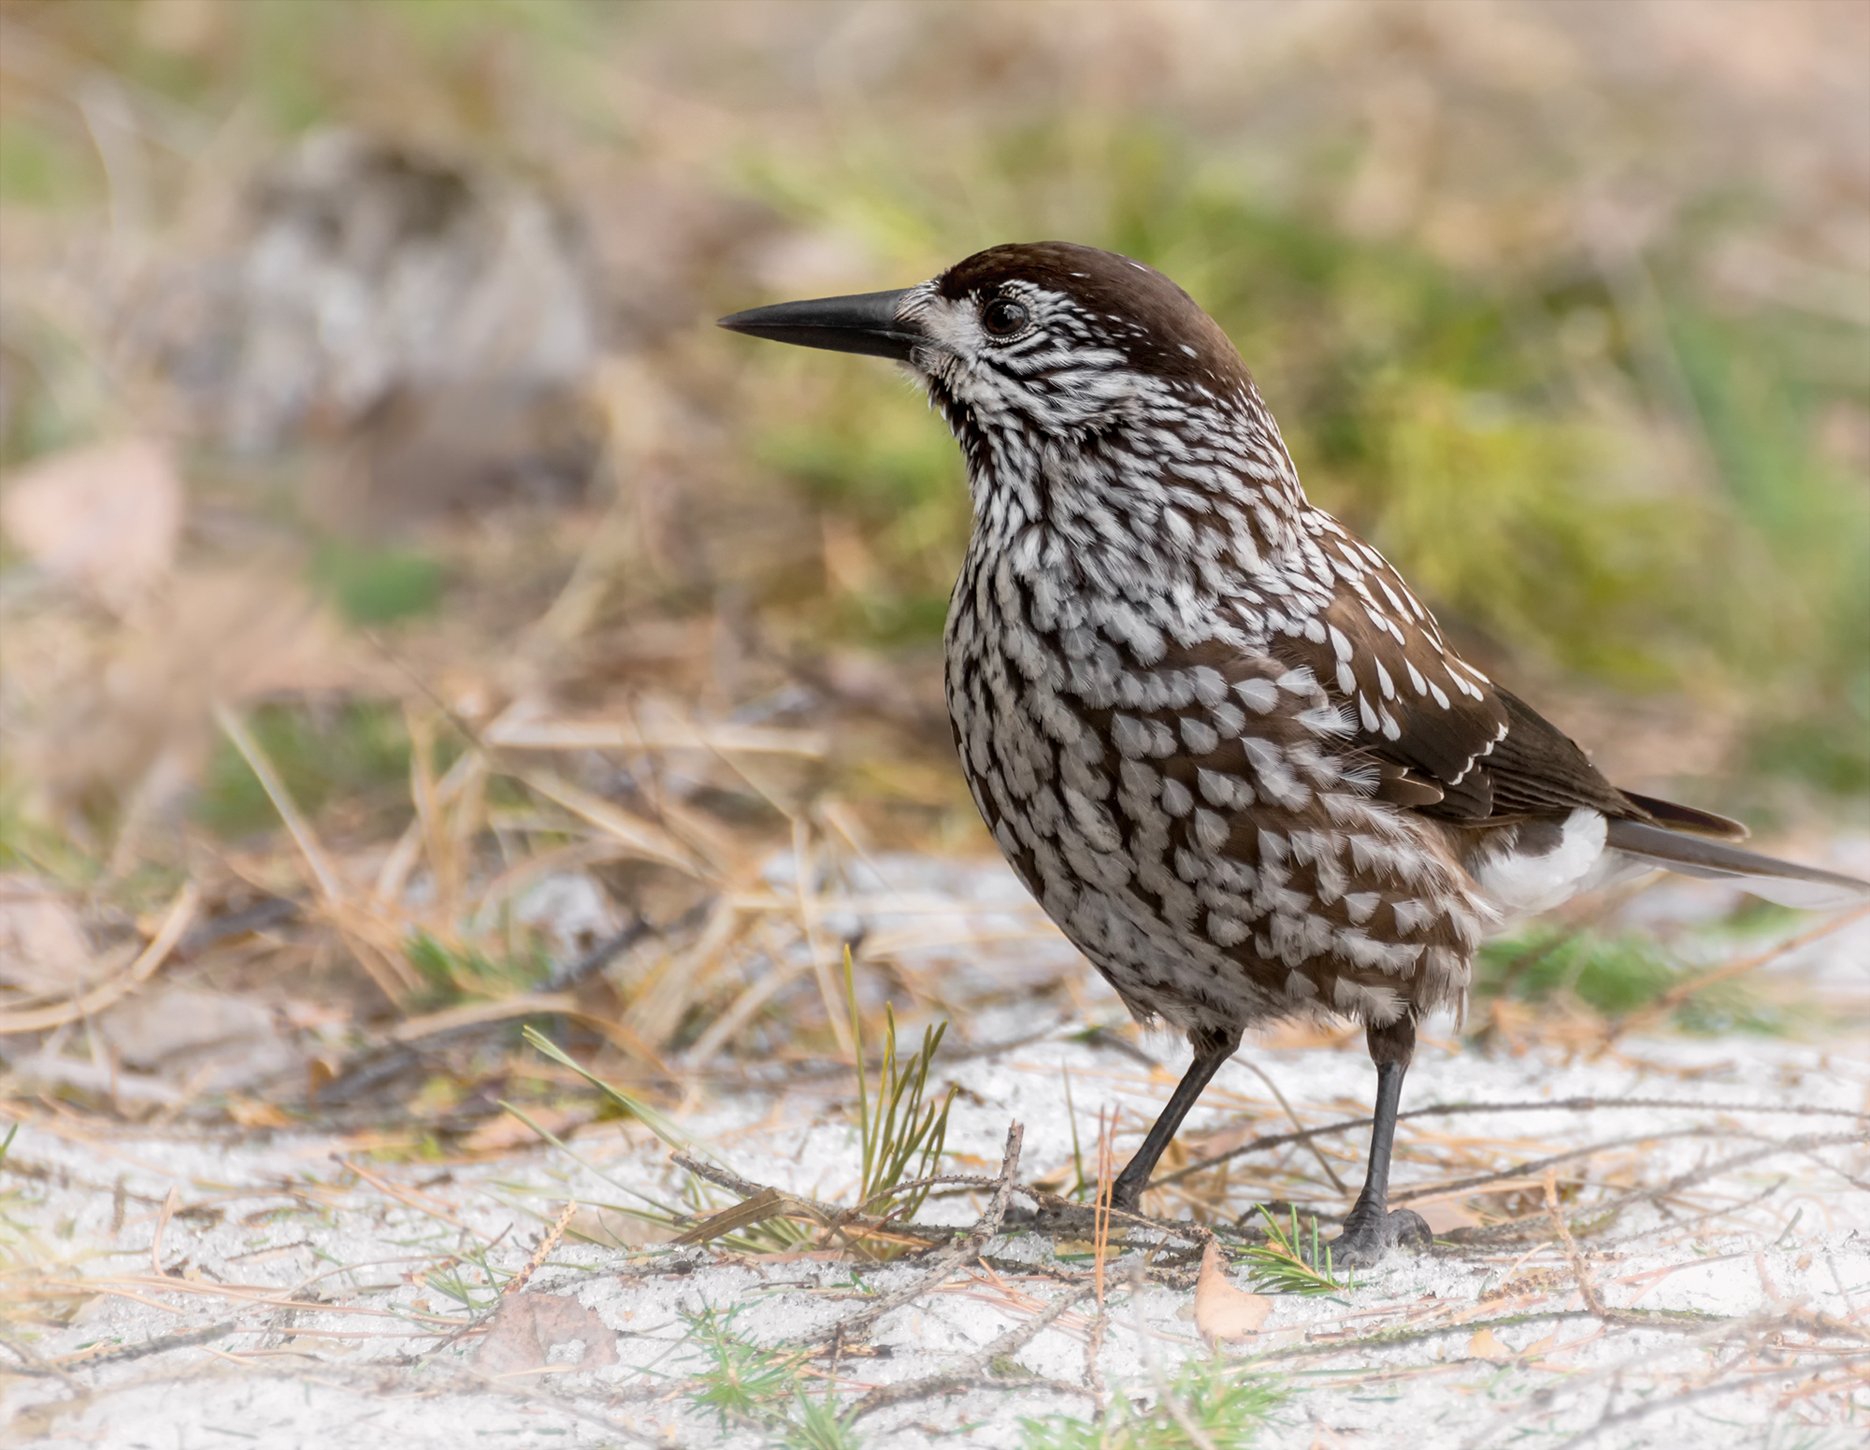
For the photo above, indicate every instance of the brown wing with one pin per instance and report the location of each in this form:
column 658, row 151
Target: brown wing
column 1442, row 738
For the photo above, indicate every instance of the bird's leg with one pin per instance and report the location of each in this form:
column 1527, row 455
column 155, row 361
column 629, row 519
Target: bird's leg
column 1372, row 1230
column 1211, row 1050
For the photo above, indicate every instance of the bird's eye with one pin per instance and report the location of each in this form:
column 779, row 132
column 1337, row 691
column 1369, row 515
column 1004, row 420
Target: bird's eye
column 1003, row 317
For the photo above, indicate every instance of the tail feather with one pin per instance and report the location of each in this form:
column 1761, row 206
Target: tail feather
column 1675, row 817
column 1788, row 884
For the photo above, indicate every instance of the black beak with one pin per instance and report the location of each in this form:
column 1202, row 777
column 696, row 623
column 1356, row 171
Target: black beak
column 865, row 323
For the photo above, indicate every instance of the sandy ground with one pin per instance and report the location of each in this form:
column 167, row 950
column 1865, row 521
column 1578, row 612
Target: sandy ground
column 1685, row 1263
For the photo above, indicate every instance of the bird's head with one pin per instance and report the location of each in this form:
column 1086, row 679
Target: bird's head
column 1087, row 391
column 1043, row 338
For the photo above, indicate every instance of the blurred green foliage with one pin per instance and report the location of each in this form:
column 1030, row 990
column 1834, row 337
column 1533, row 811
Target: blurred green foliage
column 453, row 974
column 376, row 585
column 352, row 751
column 1618, row 975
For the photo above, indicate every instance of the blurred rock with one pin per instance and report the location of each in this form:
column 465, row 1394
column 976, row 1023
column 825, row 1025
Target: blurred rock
column 436, row 321
column 460, row 447
column 570, row 910
column 195, row 1038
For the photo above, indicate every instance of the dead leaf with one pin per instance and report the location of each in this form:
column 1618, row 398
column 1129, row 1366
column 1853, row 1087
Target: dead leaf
column 257, row 1113
column 532, row 1332
column 1485, row 1345
column 105, row 517
column 1444, row 1215
column 1223, row 1312
column 505, row 1133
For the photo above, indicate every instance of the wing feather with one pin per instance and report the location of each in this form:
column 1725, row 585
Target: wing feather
column 1444, row 738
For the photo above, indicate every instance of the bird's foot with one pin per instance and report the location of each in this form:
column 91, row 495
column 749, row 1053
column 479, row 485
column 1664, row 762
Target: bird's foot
column 1062, row 1219
column 1057, row 1216
column 1368, row 1237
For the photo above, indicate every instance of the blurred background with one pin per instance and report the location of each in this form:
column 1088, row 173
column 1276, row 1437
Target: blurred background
column 413, row 609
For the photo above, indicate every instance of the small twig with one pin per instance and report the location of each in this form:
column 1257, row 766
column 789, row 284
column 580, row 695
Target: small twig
column 1682, row 991
column 1738, row 1160
column 976, row 1370
column 1682, row 1225
column 1582, row 1104
column 944, row 1261
column 1593, row 1301
column 1531, row 1166
column 162, row 1344
column 1714, row 1335
column 1726, row 1383
column 1706, row 1172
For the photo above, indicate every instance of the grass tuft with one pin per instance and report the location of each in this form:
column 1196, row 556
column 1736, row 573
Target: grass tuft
column 745, row 1385
column 742, row 1382
column 376, row 585
column 453, row 973
column 353, row 752
column 1294, row 1259
column 898, row 1124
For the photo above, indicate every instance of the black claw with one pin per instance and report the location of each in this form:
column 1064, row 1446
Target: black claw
column 1365, row 1241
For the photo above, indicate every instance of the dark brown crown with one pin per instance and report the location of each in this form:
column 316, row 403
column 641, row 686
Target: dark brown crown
column 1131, row 306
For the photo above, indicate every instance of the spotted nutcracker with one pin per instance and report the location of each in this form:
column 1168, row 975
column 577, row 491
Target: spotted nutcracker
column 1215, row 733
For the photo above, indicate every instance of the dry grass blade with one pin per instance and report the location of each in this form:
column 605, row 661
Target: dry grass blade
column 1106, row 1187
column 764, row 1206
column 384, row 963
column 643, row 839
column 324, row 875
column 773, row 1220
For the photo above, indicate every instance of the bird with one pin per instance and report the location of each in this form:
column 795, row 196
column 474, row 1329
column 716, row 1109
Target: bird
column 1221, row 741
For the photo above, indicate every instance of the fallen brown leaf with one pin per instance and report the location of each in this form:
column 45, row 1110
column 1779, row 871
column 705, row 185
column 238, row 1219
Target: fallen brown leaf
column 531, row 1332
column 1223, row 1312
column 1485, row 1345
column 1443, row 1215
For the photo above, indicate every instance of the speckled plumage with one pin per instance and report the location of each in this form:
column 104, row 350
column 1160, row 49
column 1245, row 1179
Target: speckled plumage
column 1216, row 734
